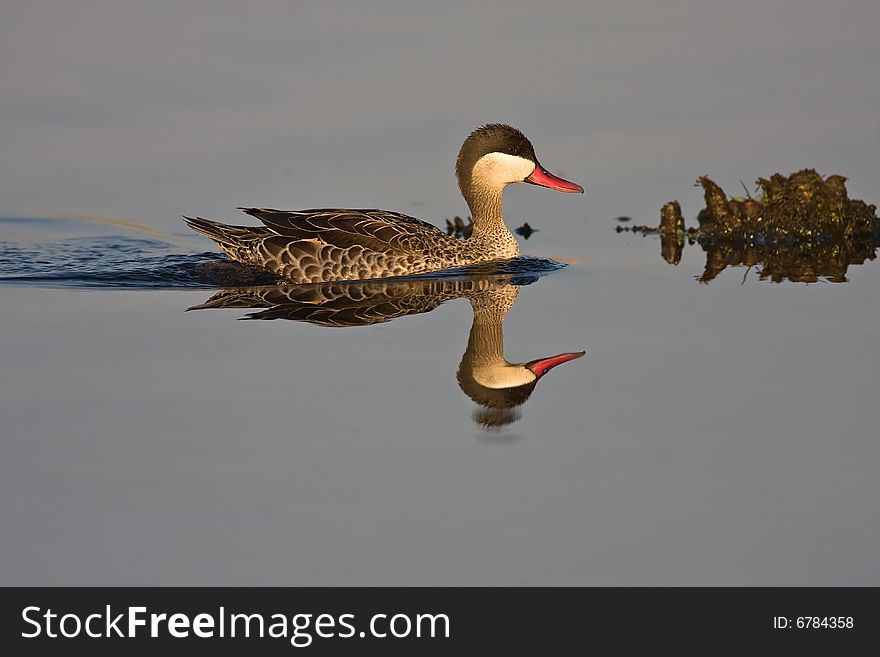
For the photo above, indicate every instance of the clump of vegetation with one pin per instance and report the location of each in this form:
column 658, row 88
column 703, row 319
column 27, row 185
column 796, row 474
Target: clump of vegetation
column 802, row 207
column 801, row 228
column 459, row 229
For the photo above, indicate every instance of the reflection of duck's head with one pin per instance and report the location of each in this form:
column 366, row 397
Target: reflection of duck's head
column 485, row 375
column 499, row 387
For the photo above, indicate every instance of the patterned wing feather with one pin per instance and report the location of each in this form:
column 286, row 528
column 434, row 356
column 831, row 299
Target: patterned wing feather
column 376, row 230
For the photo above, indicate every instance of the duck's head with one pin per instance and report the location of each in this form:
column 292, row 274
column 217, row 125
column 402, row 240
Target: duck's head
column 497, row 155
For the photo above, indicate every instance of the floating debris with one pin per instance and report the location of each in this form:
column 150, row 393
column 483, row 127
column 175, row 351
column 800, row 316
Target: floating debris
column 802, row 228
column 459, row 229
column 672, row 232
column 671, row 220
column 525, row 230
column 624, row 220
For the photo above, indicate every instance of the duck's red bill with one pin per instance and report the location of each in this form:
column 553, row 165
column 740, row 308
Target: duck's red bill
column 540, row 176
column 543, row 365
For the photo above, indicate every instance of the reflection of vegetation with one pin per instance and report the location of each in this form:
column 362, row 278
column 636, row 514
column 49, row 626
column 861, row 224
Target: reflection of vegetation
column 802, row 228
column 798, row 262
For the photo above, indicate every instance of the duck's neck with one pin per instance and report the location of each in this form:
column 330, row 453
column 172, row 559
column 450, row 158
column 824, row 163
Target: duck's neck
column 486, row 340
column 489, row 232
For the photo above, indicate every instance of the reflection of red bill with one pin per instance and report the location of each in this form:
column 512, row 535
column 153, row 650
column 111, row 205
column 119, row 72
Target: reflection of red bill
column 540, row 176
column 543, row 365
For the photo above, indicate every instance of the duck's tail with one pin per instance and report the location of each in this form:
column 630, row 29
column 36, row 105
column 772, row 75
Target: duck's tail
column 221, row 233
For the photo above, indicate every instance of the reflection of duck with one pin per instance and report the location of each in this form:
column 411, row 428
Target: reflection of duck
column 484, row 374
column 311, row 246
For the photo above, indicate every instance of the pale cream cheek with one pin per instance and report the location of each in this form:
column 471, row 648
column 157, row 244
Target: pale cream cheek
column 503, row 376
column 499, row 169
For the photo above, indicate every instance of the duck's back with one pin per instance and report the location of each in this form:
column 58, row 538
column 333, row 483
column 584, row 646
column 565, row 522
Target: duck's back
column 308, row 246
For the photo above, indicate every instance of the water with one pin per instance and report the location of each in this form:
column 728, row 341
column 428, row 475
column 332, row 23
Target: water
column 720, row 432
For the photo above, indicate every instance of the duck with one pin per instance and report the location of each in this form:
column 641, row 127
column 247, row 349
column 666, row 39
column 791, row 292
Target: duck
column 331, row 244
